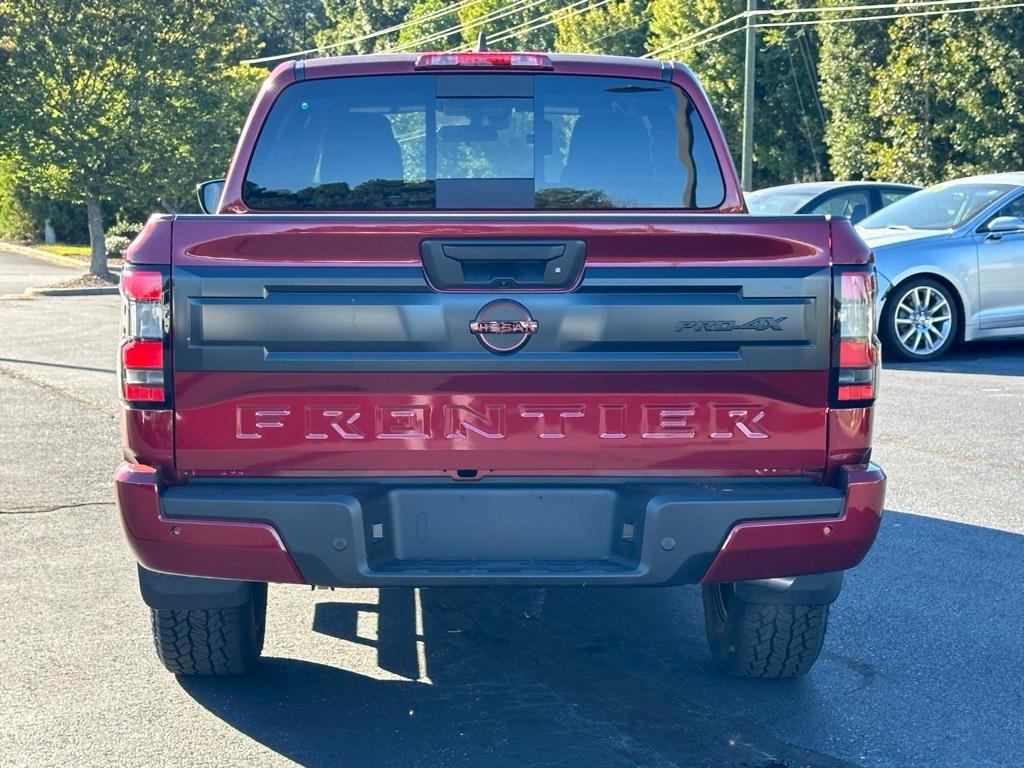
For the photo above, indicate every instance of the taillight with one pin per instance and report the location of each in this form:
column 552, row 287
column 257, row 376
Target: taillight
column 856, row 353
column 144, row 356
column 486, row 60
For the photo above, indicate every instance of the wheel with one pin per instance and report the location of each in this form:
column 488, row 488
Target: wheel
column 762, row 639
column 920, row 320
column 212, row 641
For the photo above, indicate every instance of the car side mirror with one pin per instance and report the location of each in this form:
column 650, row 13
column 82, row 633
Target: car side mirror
column 209, row 194
column 1002, row 224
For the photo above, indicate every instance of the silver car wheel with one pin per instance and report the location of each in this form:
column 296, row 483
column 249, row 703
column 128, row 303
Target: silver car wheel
column 923, row 320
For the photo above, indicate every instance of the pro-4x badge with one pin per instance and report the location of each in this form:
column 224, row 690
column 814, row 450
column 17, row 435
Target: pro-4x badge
column 757, row 324
column 503, row 326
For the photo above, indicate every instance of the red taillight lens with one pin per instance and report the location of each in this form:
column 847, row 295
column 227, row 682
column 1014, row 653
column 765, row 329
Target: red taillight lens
column 142, row 285
column 857, row 354
column 143, row 336
column 486, row 60
column 849, row 392
column 137, row 353
column 142, row 393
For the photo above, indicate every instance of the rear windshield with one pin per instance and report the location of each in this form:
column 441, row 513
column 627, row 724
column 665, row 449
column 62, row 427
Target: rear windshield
column 482, row 141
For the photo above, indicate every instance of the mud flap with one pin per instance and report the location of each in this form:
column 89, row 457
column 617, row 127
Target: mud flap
column 169, row 591
column 815, row 589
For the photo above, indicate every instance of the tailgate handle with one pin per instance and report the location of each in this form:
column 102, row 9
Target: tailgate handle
column 507, row 265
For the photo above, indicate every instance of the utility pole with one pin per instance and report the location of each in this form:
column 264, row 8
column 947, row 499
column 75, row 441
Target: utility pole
column 747, row 163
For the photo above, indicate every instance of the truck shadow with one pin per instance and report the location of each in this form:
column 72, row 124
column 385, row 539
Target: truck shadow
column 610, row 677
column 1002, row 358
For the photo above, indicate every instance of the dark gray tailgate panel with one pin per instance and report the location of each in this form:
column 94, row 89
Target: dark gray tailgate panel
column 266, row 319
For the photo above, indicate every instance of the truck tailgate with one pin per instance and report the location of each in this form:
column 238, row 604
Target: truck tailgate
column 320, row 345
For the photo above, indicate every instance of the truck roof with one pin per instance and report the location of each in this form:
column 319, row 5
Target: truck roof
column 566, row 63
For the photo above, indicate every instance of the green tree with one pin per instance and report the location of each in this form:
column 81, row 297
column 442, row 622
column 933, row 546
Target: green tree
column 18, row 219
column 789, row 108
column 948, row 97
column 200, row 120
column 349, row 19
column 284, row 26
column 719, row 64
column 617, row 28
column 445, row 27
column 850, row 58
column 527, row 28
column 788, row 119
column 924, row 99
column 986, row 64
column 913, row 104
column 117, row 97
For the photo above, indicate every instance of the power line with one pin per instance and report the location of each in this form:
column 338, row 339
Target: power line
column 800, row 101
column 693, row 35
column 858, row 8
column 700, row 38
column 547, row 19
column 516, row 7
column 934, row 12
column 797, row 11
column 369, row 35
column 847, row 20
column 808, row 57
column 525, row 26
column 498, row 13
column 619, row 30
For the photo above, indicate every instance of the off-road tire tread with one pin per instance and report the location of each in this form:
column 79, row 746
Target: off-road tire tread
column 768, row 640
column 206, row 642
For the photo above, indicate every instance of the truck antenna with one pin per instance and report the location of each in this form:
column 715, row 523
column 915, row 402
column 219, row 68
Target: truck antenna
column 481, row 41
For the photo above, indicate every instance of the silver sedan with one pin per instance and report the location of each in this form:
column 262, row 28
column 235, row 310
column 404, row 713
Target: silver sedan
column 950, row 262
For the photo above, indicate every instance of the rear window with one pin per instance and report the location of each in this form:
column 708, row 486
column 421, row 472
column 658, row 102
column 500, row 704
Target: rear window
column 482, row 141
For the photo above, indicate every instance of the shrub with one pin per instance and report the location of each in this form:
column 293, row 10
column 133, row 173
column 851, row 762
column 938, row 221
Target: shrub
column 17, row 221
column 119, row 236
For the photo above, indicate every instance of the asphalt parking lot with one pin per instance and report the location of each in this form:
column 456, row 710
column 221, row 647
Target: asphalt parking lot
column 922, row 666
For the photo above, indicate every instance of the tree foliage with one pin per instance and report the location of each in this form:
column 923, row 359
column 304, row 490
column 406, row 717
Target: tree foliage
column 617, row 28
column 283, row 26
column 18, row 220
column 128, row 98
column 126, row 104
column 437, row 30
column 915, row 121
column 788, row 120
column 350, row 19
column 850, row 55
column 988, row 132
column 924, row 99
column 498, row 18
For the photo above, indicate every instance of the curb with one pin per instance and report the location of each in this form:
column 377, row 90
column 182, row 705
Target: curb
column 105, row 291
column 41, row 255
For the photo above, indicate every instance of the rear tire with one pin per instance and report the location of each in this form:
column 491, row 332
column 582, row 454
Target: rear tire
column 920, row 320
column 212, row 641
column 762, row 639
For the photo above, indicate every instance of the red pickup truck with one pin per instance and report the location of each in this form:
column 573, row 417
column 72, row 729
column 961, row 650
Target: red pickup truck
column 494, row 319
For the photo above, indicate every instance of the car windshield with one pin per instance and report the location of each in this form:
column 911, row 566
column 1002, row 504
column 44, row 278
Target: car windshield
column 481, row 141
column 944, row 206
column 774, row 202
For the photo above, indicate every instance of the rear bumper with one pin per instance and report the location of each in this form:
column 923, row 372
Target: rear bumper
column 564, row 531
